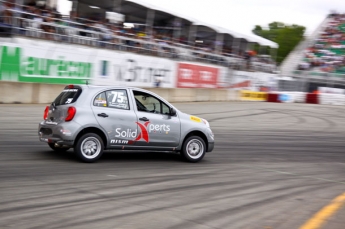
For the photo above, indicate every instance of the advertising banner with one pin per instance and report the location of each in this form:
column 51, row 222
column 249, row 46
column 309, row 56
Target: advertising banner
column 47, row 62
column 127, row 69
column 253, row 81
column 253, row 96
column 43, row 64
column 196, row 76
column 330, row 90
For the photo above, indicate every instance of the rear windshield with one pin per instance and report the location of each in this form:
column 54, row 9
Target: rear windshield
column 67, row 96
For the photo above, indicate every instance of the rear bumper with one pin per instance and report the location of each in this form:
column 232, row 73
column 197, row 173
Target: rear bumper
column 61, row 134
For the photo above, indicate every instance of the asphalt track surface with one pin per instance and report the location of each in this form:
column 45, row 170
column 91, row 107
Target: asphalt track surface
column 274, row 166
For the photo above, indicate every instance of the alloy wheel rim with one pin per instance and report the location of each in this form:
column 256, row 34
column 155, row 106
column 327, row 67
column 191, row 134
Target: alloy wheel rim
column 195, row 148
column 90, row 147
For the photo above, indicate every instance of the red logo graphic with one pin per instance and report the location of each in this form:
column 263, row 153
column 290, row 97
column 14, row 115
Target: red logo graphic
column 143, row 134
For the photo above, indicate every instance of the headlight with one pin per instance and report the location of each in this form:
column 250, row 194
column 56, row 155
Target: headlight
column 206, row 122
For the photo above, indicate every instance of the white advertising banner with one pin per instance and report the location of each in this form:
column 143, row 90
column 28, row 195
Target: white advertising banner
column 253, row 81
column 127, row 69
column 330, row 90
column 35, row 61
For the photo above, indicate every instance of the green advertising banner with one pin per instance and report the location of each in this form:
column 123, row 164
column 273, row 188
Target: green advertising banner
column 17, row 64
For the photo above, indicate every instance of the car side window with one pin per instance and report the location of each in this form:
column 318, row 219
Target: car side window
column 100, row 100
column 118, row 99
column 165, row 109
column 148, row 103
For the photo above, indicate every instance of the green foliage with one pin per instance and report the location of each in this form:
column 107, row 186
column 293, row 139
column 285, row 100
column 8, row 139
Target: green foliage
column 287, row 36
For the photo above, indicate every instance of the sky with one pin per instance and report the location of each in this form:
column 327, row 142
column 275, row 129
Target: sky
column 243, row 15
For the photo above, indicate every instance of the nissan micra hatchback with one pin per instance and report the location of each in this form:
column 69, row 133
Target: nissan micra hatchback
column 91, row 119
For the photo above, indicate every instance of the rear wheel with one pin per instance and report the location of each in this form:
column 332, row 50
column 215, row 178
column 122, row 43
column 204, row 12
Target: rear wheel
column 58, row 149
column 193, row 149
column 89, row 147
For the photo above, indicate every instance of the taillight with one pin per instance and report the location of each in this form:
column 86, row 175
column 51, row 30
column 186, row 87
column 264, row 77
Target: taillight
column 70, row 114
column 45, row 114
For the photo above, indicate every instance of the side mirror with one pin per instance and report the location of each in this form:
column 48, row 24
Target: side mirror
column 172, row 112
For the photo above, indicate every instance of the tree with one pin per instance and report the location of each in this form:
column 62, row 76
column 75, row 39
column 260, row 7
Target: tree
column 287, row 36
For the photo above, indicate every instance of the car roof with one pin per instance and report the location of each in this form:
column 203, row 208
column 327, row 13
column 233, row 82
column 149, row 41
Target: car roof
column 105, row 87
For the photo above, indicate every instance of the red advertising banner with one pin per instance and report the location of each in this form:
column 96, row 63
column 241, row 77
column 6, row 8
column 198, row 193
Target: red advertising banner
column 196, row 76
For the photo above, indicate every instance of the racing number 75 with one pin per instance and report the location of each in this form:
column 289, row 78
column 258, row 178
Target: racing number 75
column 117, row 97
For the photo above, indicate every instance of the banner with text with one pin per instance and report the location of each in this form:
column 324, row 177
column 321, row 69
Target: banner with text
column 127, row 69
column 196, row 76
column 42, row 62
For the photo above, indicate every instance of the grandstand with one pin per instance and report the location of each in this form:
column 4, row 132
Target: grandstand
column 140, row 28
column 319, row 60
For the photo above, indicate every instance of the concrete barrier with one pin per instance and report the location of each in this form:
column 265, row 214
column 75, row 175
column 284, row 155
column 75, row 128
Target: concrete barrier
column 15, row 92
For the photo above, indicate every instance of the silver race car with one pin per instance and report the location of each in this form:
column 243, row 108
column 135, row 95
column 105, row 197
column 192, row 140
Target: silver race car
column 91, row 119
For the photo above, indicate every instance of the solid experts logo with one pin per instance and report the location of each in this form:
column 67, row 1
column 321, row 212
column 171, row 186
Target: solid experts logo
column 144, row 134
column 122, row 136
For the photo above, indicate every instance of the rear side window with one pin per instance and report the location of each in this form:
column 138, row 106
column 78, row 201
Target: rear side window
column 114, row 99
column 100, row 100
column 68, row 96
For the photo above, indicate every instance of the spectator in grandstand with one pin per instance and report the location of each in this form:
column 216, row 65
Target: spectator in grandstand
column 48, row 27
column 107, row 34
column 38, row 17
column 73, row 19
column 328, row 52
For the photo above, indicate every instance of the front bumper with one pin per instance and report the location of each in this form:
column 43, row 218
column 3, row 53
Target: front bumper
column 210, row 138
column 210, row 147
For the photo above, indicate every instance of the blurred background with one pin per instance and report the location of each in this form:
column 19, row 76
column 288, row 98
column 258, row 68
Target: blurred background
column 151, row 44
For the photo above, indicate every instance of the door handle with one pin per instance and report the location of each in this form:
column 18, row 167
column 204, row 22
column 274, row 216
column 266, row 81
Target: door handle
column 144, row 119
column 104, row 115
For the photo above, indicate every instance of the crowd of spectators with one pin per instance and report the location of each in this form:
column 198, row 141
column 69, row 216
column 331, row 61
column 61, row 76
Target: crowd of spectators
column 328, row 52
column 49, row 24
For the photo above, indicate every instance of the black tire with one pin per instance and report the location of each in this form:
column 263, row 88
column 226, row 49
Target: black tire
column 193, row 145
column 57, row 149
column 89, row 147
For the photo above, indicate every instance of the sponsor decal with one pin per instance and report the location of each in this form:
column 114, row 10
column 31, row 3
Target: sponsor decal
column 51, row 122
column 66, row 132
column 144, row 134
column 119, row 141
column 101, row 101
column 70, row 90
column 195, row 119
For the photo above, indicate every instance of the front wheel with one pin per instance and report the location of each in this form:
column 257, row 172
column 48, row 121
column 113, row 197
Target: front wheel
column 58, row 149
column 89, row 147
column 193, row 149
